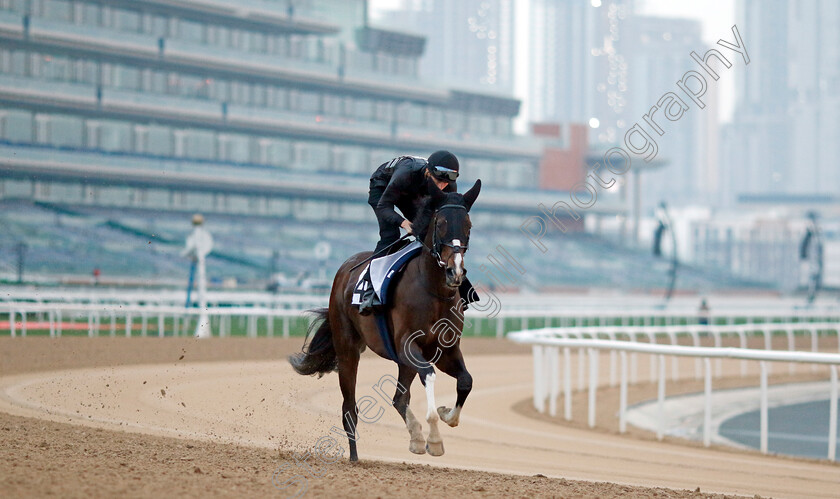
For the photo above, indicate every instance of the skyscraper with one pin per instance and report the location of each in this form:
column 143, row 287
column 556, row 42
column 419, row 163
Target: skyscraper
column 783, row 137
column 469, row 43
column 578, row 69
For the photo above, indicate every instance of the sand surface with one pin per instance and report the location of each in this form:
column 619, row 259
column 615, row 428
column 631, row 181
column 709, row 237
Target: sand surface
column 153, row 416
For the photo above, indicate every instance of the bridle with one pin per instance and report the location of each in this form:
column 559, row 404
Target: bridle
column 437, row 245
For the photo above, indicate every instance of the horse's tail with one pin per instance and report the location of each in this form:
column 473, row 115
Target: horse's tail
column 318, row 357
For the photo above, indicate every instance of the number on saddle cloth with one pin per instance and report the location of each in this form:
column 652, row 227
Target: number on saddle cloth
column 382, row 271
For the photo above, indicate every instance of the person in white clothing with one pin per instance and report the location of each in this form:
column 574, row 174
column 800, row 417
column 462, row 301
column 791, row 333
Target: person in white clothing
column 199, row 245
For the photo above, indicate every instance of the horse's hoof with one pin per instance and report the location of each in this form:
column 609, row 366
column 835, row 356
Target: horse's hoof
column 417, row 446
column 443, row 413
column 434, row 448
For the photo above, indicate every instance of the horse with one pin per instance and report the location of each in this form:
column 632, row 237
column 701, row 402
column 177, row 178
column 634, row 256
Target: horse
column 425, row 321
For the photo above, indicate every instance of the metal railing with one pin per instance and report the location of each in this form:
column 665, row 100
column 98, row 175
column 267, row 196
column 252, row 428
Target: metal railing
column 151, row 320
column 547, row 344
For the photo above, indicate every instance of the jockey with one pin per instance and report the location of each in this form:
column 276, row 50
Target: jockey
column 401, row 183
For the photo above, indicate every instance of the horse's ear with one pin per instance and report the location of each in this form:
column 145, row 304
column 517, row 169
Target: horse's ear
column 471, row 195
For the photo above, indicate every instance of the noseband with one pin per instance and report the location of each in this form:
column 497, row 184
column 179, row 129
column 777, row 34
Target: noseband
column 437, row 245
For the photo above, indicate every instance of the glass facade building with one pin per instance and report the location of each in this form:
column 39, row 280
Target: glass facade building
column 253, row 107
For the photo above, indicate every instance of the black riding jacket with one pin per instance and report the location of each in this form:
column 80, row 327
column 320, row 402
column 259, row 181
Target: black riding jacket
column 405, row 184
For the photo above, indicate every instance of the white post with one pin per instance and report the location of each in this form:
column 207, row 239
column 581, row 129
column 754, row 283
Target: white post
column 791, row 348
column 567, row 384
column 832, row 416
column 661, row 398
column 539, row 398
column 593, row 384
column 707, row 409
column 128, row 324
column 286, row 320
column 581, row 369
column 553, row 385
column 12, row 322
column 764, row 425
column 622, row 411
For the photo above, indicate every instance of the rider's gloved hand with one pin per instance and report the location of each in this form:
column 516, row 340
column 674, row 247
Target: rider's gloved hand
column 407, row 226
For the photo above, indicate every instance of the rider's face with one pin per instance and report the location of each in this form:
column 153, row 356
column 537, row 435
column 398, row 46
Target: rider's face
column 441, row 184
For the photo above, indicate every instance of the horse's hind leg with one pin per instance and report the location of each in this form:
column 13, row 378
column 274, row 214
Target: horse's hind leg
column 412, row 356
column 348, row 365
column 452, row 363
column 402, row 397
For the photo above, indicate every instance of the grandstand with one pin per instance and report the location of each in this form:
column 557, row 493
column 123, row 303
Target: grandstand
column 120, row 119
column 145, row 245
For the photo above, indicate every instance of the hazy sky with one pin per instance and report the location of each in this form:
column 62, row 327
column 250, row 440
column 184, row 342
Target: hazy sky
column 717, row 17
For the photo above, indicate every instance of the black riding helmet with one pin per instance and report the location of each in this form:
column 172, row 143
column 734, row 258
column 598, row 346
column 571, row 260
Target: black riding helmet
column 443, row 165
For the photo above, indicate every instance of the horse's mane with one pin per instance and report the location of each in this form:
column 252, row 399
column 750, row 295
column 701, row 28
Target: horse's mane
column 424, row 216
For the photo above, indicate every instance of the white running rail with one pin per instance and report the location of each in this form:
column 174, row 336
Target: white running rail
column 152, row 319
column 547, row 346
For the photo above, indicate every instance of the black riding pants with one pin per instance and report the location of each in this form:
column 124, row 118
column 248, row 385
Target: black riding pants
column 388, row 233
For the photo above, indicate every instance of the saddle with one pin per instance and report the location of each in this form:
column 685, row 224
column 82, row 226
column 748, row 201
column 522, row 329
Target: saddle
column 382, row 271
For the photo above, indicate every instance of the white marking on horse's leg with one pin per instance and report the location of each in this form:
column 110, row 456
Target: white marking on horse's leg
column 418, row 443
column 434, row 444
column 450, row 416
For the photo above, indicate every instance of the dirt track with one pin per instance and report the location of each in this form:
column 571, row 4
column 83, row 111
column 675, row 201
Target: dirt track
column 197, row 427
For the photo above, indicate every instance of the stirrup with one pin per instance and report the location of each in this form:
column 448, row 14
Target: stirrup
column 369, row 302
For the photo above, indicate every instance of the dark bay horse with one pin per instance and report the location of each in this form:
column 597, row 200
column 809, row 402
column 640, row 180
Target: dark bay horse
column 426, row 321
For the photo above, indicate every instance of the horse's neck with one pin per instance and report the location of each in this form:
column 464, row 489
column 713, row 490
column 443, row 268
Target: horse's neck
column 433, row 275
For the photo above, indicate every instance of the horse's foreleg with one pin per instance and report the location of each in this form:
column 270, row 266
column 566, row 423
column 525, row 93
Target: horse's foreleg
column 402, row 398
column 412, row 356
column 453, row 365
column 347, row 368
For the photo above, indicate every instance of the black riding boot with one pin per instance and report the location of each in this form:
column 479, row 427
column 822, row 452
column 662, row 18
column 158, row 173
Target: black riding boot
column 369, row 300
column 468, row 293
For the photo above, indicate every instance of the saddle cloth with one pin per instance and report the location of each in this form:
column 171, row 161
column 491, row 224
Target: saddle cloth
column 382, row 270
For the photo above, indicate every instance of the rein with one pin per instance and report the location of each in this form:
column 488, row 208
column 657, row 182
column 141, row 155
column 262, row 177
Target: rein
column 436, row 244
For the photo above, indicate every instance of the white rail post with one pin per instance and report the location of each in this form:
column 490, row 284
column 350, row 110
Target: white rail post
column 832, row 416
column 718, row 362
column 59, row 320
column 128, row 324
column 23, row 318
column 553, row 386
column 791, row 347
column 269, row 324
column 144, row 328
column 581, row 369
column 652, row 359
column 160, row 325
column 539, row 399
column 51, row 319
column 12, row 322
column 567, row 383
column 661, row 399
column 622, row 397
column 707, row 409
column 113, row 319
column 764, row 424
column 593, row 384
